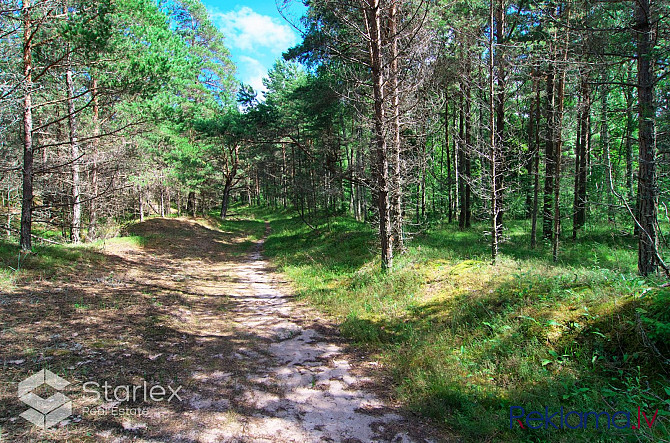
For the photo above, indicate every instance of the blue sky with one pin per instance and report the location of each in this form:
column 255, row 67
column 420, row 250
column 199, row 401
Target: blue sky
column 256, row 34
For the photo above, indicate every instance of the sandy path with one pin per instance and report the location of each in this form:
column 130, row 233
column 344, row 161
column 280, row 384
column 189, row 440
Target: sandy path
column 316, row 398
column 266, row 368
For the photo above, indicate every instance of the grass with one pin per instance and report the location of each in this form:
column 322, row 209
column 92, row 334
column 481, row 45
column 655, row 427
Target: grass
column 45, row 261
column 463, row 340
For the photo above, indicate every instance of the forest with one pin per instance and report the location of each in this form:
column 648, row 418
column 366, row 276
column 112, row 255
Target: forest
column 399, row 115
column 474, row 192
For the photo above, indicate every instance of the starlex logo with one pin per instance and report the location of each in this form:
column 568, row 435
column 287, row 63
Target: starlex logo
column 578, row 419
column 45, row 412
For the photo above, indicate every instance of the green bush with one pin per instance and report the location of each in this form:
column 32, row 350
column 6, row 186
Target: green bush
column 656, row 315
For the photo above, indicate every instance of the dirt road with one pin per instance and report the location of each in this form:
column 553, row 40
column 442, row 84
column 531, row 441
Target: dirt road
column 200, row 308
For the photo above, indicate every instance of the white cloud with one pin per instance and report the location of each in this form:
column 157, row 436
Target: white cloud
column 247, row 30
column 254, row 72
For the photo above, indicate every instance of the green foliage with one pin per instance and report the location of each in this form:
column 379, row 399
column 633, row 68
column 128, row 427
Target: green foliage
column 212, row 68
column 148, row 57
column 89, row 24
column 656, row 315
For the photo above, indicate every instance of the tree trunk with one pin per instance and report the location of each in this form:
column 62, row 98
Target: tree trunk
column 446, row 147
column 556, row 234
column 373, row 23
column 424, row 160
column 605, row 146
column 9, row 211
column 417, row 205
column 75, row 231
column 581, row 153
column 27, row 197
column 461, row 166
column 232, row 174
column 161, row 203
column 497, row 122
column 141, row 201
column 464, row 161
column 361, row 194
column 558, row 146
column 647, row 180
column 191, row 203
column 457, row 159
column 549, row 160
column 629, row 135
column 396, row 186
column 284, row 181
column 468, row 156
column 535, row 160
column 492, row 130
column 225, row 199
column 530, row 162
column 353, row 204
column 93, row 211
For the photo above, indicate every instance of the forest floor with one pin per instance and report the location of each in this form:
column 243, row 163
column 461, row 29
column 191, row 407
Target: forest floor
column 189, row 307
